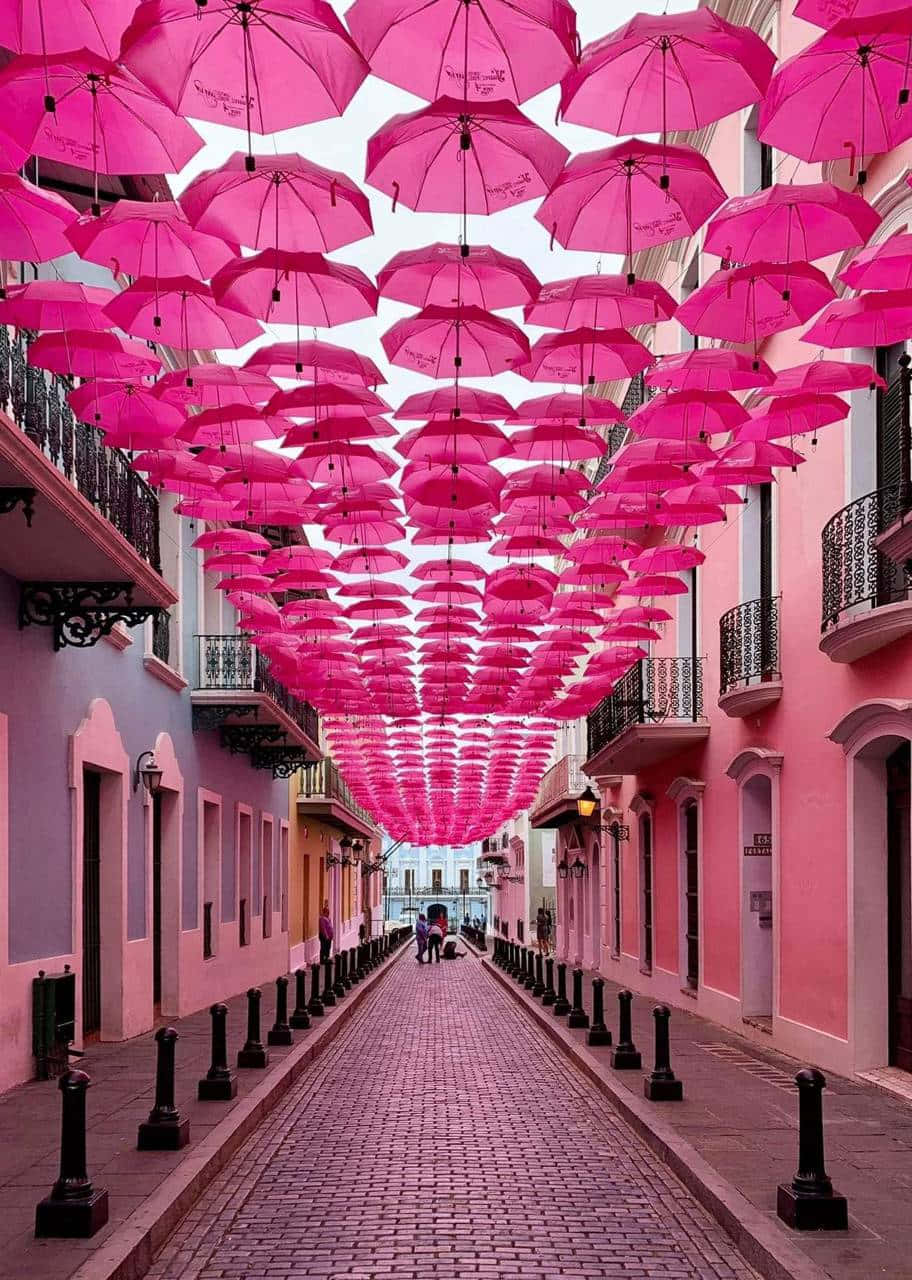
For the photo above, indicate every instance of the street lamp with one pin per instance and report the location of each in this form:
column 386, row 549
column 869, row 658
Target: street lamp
column 577, row 867
column 562, row 869
column 149, row 774
column 587, row 803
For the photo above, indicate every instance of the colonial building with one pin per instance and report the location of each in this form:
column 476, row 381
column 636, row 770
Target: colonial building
column 421, row 877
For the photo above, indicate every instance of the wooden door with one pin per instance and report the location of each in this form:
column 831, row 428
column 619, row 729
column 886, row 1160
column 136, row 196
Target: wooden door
column 899, row 910
column 692, row 895
column 91, row 903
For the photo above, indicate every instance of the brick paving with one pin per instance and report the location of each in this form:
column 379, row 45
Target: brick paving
column 441, row 1134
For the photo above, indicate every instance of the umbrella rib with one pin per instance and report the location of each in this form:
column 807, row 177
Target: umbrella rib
column 304, row 58
column 500, row 44
column 448, row 132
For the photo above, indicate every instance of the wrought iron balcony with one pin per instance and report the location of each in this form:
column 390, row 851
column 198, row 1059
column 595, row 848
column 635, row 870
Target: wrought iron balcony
column 36, row 402
column 653, row 711
column 323, row 791
column 441, row 891
column 749, row 676
column 866, row 594
column 558, row 790
column 253, row 711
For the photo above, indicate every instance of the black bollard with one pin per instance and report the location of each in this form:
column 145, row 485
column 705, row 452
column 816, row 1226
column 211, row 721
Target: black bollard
column 164, row 1130
column 661, row 1085
column 808, row 1202
column 329, row 996
column 219, row 1083
column 280, row 1032
column 578, row 1015
column 253, row 1053
column 300, row 1018
column 523, row 971
column 561, row 1004
column 529, row 983
column 343, row 962
column 315, row 1005
column 353, row 974
column 598, row 1032
column 74, row 1209
column 538, row 989
column 625, row 1056
column 338, row 984
column 549, row 997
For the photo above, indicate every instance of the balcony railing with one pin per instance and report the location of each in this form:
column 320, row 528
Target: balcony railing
column 232, row 664
column 443, row 891
column 855, row 572
column 36, row 402
column 749, row 643
column 323, row 781
column 565, row 778
column 655, row 690
column 161, row 636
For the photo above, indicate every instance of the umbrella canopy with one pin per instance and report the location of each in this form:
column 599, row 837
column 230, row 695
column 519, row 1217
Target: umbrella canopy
column 748, row 304
column 180, row 312
column 454, row 401
column 591, row 301
column 713, row 370
column 88, row 353
column 212, row 385
column 148, row 238
column 586, row 356
column 33, row 223
column 843, row 92
column 686, row 414
column 282, row 287
column 444, row 275
column 873, row 320
column 259, row 67
column 882, row 266
column 124, row 405
column 442, row 160
column 825, row 376
column 785, row 223
column 566, row 407
column 56, row 304
column 432, row 342
column 83, row 110
column 55, row 26
column 286, row 202
column 630, row 197
column 667, row 71
column 314, row 360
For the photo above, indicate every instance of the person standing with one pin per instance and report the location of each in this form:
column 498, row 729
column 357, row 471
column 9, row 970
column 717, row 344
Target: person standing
column 325, row 930
column 542, row 932
column 421, row 937
column 435, row 938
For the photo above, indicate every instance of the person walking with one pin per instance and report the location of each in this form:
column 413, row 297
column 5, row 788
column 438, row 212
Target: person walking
column 325, row 930
column 421, row 937
column 543, row 932
column 435, row 938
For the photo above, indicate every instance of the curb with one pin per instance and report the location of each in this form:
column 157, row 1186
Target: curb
column 130, row 1250
column 757, row 1238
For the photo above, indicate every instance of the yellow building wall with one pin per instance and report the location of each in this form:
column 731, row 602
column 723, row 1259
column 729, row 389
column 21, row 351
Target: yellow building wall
column 308, row 842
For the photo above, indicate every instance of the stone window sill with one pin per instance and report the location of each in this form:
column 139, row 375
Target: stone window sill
column 167, row 675
column 119, row 637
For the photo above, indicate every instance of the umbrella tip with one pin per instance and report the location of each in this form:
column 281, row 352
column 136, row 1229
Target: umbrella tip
column 249, row 160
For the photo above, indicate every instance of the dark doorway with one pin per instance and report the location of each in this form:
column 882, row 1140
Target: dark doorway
column 91, row 903
column 646, row 883
column 437, row 911
column 157, row 901
column 899, row 923
column 692, row 895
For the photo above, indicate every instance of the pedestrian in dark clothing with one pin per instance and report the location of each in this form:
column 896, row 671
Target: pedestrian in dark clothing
column 435, row 938
column 325, row 930
column 421, row 937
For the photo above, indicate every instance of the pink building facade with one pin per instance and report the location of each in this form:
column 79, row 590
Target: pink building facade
column 750, row 860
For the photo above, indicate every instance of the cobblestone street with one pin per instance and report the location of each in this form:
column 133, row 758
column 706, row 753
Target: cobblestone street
column 440, row 1134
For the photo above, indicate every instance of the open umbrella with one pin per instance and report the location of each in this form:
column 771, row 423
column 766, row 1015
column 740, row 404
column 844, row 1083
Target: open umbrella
column 873, row 320
column 282, row 287
column 56, row 304
column 33, row 223
column 586, row 356
column 313, row 360
column 467, row 340
column 212, row 385
column 826, row 13
column 147, row 238
column 611, row 301
column 180, row 312
column 716, row 369
column 667, row 71
column 454, row 401
column 55, row 26
column 261, row 67
column 124, row 405
column 89, row 353
column 286, row 202
column 887, row 265
column 826, row 376
column 491, row 49
column 843, row 96
column 786, row 223
column 454, row 441
column 566, row 407
column 685, row 415
column 445, row 274
column 748, row 304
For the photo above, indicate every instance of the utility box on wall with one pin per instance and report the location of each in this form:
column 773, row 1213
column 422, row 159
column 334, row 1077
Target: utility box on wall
column 53, row 1021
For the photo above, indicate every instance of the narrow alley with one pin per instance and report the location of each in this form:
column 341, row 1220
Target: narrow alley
column 440, row 1134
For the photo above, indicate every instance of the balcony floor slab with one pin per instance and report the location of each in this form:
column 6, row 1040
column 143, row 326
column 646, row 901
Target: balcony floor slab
column 642, row 745
column 856, row 635
column 748, row 699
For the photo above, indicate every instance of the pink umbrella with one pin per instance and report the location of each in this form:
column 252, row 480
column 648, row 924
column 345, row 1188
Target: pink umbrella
column 286, row 202
column 83, row 110
column 629, row 197
column 231, row 540
column 260, row 68
column 586, row 356
column 873, row 320
column 56, row 304
column 473, row 342
column 55, row 26
column 368, row 560
column 213, row 385
column 565, row 407
column 667, row 71
column 457, row 488
column 88, row 353
column 148, row 238
column 682, row 451
column 792, row 415
column 334, row 463
column 882, row 266
column 842, row 96
column 453, row 401
column 232, row 424
column 499, row 48
column 33, row 223
column 591, row 301
column 446, row 275
column 557, row 444
column 442, row 570
column 711, row 370
column 785, row 223
column 825, row 376
column 315, row 360
column 826, row 13
column 463, row 440
column 336, row 429
column 687, row 414
column 442, row 160
column 180, row 312
column 666, row 558
column 124, row 405
column 758, row 453
column 321, row 399
column 281, row 287
column 748, row 304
